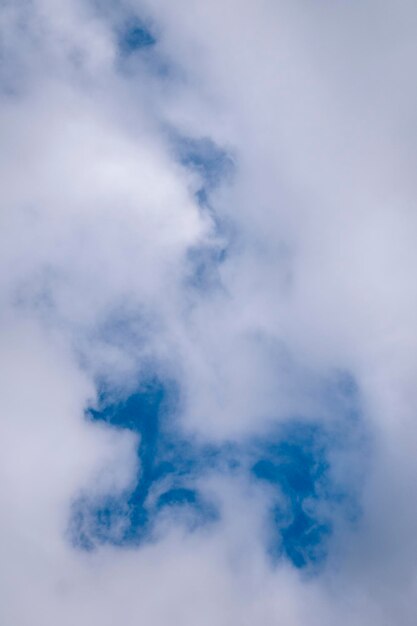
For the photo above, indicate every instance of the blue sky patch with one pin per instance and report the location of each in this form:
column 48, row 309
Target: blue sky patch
column 293, row 460
column 135, row 36
column 168, row 468
column 212, row 162
column 214, row 165
column 297, row 465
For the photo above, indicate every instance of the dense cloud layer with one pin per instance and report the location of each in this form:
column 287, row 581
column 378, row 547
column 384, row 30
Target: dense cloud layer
column 208, row 313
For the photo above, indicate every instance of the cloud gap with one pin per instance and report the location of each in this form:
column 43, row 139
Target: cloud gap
column 293, row 460
column 135, row 36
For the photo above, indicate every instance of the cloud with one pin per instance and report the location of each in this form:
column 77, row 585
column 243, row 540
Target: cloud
column 208, row 313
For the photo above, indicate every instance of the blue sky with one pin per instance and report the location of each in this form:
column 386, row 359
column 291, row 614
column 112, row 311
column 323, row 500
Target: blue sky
column 208, row 306
column 292, row 458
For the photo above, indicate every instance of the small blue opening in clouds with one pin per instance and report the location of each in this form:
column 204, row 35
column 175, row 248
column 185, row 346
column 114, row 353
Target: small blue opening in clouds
column 214, row 165
column 135, row 36
column 296, row 464
column 212, row 162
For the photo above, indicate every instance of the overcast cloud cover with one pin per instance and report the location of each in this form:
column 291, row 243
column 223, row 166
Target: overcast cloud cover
column 208, row 312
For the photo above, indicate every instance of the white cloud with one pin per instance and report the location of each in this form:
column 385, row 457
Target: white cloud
column 317, row 104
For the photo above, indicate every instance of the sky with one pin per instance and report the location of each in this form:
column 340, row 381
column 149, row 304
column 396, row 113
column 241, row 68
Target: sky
column 208, row 313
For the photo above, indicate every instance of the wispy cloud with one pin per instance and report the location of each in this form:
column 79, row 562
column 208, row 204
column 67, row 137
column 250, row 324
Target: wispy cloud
column 208, row 313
